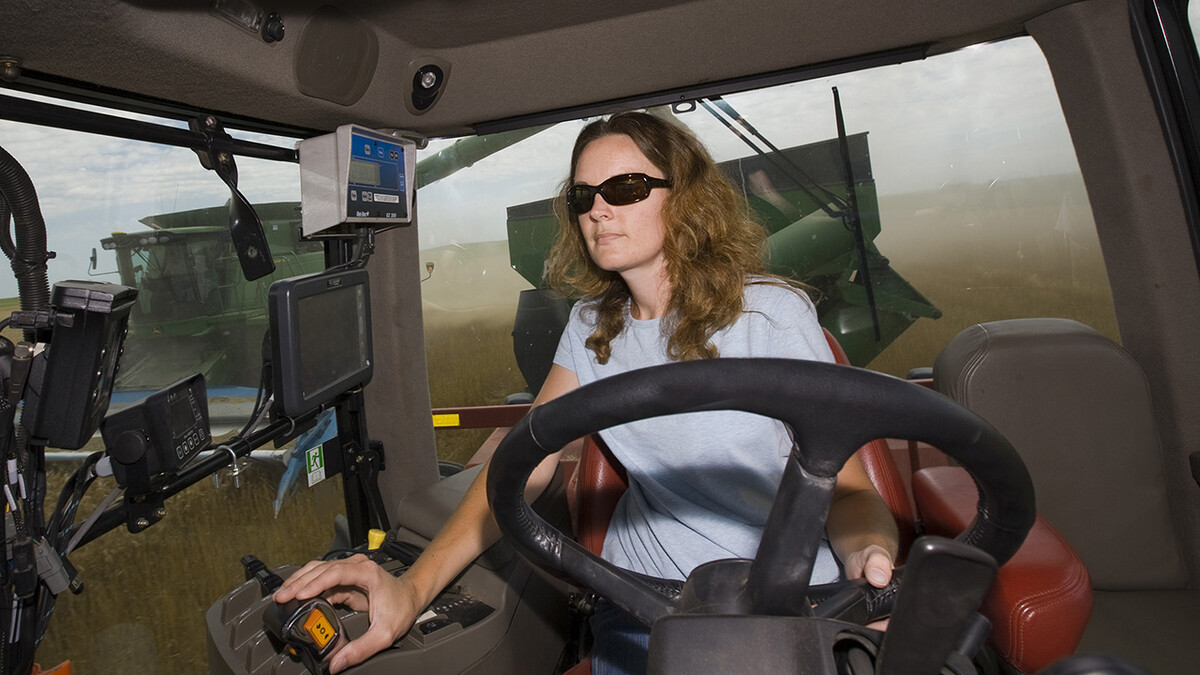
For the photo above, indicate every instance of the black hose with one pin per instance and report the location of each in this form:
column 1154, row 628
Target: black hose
column 6, row 243
column 28, row 257
column 30, row 254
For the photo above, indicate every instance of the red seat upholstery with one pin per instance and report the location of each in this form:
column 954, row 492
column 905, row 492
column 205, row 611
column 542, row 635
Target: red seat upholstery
column 601, row 481
column 1041, row 599
column 881, row 467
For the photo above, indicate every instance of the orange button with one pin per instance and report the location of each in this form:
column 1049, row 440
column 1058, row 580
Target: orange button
column 319, row 628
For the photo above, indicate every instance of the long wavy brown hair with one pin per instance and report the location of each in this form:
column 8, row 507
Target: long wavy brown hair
column 711, row 245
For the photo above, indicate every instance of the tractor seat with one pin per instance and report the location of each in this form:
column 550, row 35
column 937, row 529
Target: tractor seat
column 1077, row 408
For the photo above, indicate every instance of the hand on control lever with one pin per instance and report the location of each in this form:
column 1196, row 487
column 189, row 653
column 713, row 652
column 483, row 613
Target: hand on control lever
column 874, row 564
column 392, row 603
column 310, row 629
column 945, row 581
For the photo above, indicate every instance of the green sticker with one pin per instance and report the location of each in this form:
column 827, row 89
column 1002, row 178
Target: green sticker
column 315, row 459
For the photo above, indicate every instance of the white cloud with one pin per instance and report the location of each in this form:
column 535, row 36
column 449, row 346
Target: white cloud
column 90, row 185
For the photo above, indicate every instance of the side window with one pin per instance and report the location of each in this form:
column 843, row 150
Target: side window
column 471, row 290
column 969, row 193
column 150, row 217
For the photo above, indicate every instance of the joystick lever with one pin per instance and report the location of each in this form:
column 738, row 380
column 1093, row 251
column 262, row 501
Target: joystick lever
column 945, row 581
column 310, row 629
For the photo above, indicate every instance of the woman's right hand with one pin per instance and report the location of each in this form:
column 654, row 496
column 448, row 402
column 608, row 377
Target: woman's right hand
column 392, row 603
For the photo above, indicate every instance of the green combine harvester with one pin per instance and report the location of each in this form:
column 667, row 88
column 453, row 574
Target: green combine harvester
column 195, row 312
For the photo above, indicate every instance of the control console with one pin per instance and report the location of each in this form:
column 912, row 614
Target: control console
column 293, row 639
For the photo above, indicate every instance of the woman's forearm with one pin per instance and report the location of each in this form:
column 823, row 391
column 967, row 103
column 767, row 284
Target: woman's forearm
column 469, row 532
column 859, row 519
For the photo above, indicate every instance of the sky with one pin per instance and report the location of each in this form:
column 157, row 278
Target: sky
column 978, row 115
column 89, row 186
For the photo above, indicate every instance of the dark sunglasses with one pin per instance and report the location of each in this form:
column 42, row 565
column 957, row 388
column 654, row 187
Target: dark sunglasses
column 617, row 191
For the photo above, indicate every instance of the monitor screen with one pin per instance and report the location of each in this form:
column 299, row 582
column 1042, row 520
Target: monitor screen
column 320, row 338
column 365, row 173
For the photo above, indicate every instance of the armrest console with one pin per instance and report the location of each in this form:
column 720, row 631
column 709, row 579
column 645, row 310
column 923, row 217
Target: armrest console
column 1041, row 599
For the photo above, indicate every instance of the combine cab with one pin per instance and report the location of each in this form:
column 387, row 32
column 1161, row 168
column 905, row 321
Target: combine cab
column 195, row 311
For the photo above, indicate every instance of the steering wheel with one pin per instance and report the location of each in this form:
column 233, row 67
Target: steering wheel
column 832, row 411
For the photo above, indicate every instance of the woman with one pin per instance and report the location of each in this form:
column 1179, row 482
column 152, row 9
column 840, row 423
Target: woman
column 659, row 244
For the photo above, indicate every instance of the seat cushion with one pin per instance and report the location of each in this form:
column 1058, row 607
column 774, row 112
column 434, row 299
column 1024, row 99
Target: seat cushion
column 605, row 482
column 1041, row 599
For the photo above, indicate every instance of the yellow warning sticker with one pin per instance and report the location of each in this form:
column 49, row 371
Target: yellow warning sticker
column 446, row 420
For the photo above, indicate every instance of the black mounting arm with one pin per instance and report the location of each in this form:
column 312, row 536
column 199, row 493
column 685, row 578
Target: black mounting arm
column 249, row 240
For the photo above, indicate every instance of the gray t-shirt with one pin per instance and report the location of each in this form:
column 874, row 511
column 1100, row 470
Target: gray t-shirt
column 700, row 484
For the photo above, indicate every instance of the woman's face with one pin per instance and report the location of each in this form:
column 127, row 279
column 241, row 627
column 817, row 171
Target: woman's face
column 626, row 239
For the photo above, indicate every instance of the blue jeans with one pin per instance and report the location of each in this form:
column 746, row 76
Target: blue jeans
column 622, row 643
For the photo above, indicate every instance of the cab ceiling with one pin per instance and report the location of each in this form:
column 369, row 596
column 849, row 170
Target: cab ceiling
column 501, row 58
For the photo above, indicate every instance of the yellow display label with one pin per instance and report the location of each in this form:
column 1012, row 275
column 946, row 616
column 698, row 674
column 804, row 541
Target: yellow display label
column 446, row 420
column 319, row 628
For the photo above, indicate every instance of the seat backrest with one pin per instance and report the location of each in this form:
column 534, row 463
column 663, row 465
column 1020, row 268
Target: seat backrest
column 1077, row 409
column 600, row 480
column 880, row 465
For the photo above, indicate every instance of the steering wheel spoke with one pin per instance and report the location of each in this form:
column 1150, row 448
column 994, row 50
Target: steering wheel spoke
column 780, row 574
